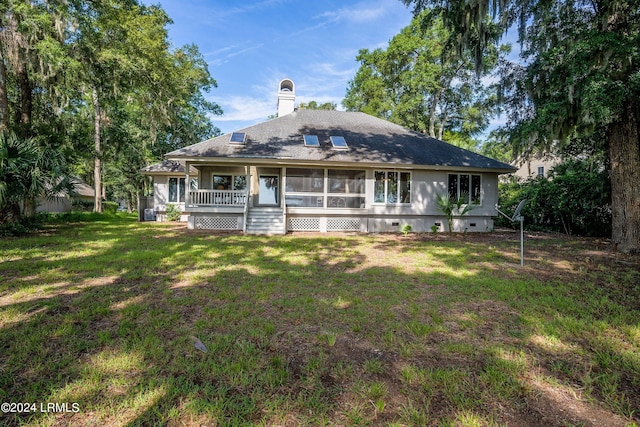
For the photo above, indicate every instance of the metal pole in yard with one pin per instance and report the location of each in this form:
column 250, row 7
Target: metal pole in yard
column 517, row 217
column 521, row 219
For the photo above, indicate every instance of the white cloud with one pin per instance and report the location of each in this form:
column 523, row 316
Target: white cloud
column 306, row 30
column 221, row 13
column 226, row 53
column 246, row 108
column 323, row 87
column 245, row 50
column 325, row 84
column 221, row 50
column 360, row 13
column 332, row 71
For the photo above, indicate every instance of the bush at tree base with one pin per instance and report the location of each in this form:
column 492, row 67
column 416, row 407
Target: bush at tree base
column 575, row 199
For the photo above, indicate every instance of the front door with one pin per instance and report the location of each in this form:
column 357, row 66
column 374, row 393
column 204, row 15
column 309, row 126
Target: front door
column 269, row 190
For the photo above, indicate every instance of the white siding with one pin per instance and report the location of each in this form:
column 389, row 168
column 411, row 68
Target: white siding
column 425, row 187
column 161, row 197
column 160, row 192
column 422, row 213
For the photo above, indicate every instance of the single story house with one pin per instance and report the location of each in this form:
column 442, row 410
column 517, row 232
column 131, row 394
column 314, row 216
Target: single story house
column 312, row 170
column 64, row 201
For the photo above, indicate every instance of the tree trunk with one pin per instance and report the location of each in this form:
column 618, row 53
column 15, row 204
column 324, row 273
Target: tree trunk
column 29, row 207
column 624, row 150
column 97, row 169
column 432, row 113
column 4, row 102
column 26, row 100
column 443, row 122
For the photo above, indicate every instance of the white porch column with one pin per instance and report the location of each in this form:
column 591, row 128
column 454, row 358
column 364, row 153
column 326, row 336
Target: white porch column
column 283, row 183
column 249, row 189
column 187, row 187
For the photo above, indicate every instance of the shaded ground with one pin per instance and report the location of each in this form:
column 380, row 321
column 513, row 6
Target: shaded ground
column 549, row 256
column 312, row 329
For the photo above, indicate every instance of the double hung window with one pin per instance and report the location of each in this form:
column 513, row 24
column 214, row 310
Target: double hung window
column 466, row 187
column 177, row 189
column 391, row 187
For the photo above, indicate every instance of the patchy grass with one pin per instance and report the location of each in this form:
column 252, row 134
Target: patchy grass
column 311, row 329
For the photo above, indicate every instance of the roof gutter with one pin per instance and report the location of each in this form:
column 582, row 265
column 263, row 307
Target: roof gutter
column 288, row 161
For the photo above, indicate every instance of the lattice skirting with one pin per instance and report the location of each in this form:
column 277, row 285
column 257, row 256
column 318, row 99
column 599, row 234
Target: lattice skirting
column 303, row 224
column 343, row 224
column 218, row 223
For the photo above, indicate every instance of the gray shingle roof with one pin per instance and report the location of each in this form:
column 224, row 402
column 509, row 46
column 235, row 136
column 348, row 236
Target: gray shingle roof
column 164, row 167
column 82, row 189
column 370, row 140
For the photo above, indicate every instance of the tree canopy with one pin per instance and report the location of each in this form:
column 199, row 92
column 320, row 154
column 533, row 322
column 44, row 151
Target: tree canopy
column 579, row 74
column 314, row 105
column 420, row 83
column 98, row 83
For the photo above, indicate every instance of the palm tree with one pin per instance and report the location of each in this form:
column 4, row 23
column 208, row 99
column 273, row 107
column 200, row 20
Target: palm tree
column 452, row 207
column 29, row 172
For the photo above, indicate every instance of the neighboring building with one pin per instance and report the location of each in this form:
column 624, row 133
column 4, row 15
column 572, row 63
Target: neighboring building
column 312, row 170
column 63, row 202
column 538, row 165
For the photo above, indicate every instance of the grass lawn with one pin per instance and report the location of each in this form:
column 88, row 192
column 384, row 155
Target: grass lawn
column 309, row 329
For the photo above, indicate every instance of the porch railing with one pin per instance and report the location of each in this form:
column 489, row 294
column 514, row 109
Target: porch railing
column 199, row 198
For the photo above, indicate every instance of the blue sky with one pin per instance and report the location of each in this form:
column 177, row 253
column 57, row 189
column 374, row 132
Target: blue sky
column 251, row 45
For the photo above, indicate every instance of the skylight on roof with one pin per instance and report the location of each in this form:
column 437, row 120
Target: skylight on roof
column 238, row 138
column 311, row 141
column 338, row 142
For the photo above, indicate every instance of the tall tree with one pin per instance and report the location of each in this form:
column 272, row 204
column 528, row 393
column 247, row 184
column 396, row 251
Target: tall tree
column 114, row 41
column 580, row 72
column 124, row 49
column 4, row 99
column 31, row 60
column 418, row 82
column 79, row 74
column 30, row 38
